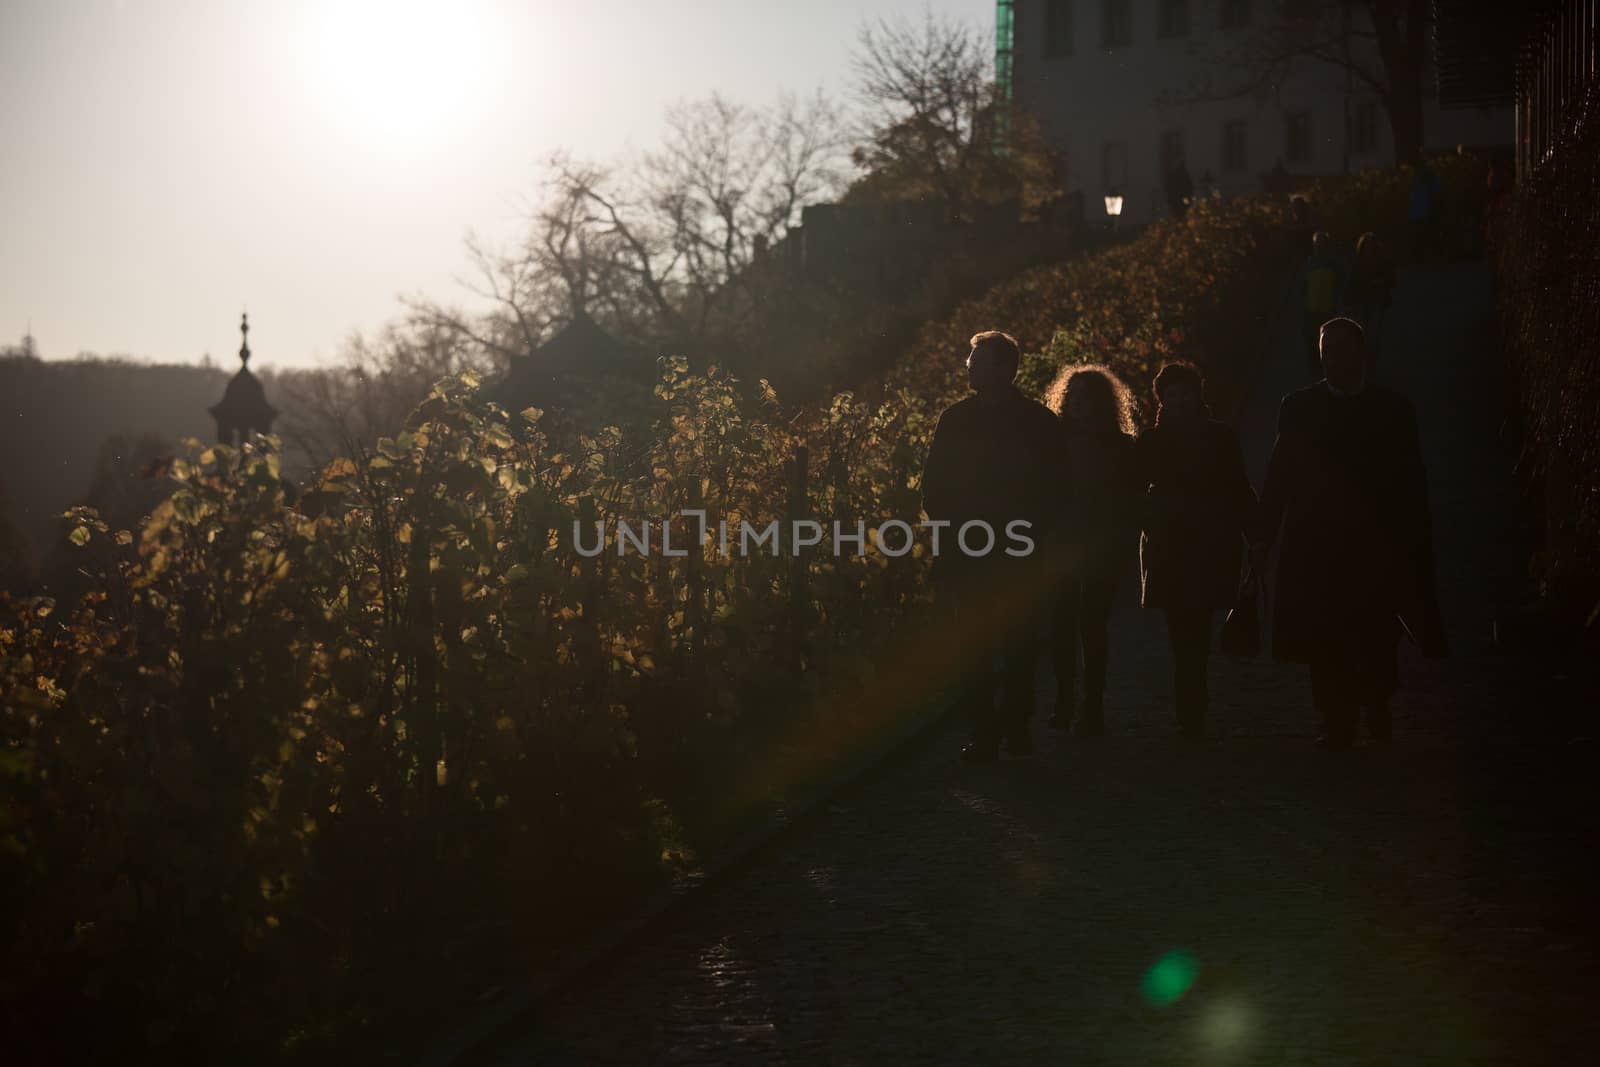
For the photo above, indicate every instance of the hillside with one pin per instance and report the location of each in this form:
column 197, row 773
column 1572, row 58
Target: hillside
column 55, row 416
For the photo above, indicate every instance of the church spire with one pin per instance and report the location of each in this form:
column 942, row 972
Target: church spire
column 243, row 409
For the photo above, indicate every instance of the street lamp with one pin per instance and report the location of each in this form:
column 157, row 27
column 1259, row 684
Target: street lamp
column 1113, row 208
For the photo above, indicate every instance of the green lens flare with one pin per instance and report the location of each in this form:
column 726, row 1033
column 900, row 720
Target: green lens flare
column 1170, row 978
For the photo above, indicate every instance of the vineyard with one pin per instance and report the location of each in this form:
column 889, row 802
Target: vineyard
column 308, row 758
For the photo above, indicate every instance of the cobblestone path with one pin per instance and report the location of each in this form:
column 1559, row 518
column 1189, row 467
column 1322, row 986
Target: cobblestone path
column 1407, row 904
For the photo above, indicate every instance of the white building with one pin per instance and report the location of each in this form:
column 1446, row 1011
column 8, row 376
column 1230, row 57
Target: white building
column 1108, row 79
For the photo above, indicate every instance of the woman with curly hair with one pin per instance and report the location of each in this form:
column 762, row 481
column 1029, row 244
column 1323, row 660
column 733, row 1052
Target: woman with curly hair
column 1096, row 409
column 1198, row 506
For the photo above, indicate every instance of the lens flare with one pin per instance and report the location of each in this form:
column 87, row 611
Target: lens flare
column 1170, row 978
column 1226, row 1027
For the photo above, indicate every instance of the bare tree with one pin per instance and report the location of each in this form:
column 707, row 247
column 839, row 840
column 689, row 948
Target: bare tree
column 341, row 410
column 935, row 125
column 564, row 265
column 1380, row 44
column 659, row 248
column 728, row 180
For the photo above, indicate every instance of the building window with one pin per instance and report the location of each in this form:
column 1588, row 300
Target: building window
column 1172, row 154
column 1236, row 145
column 1116, row 23
column 1057, row 28
column 1364, row 127
column 1235, row 14
column 1297, row 137
column 1114, row 165
column 1172, row 18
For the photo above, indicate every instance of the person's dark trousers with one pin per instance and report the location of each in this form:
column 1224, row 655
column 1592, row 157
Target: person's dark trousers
column 1380, row 723
column 1019, row 661
column 1082, row 621
column 979, row 685
column 1372, row 694
column 995, row 651
column 1336, row 694
column 971, row 656
column 1189, row 630
column 1311, row 332
column 1425, row 239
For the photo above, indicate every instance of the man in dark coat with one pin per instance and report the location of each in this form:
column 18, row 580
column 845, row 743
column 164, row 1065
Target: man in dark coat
column 1347, row 487
column 996, row 459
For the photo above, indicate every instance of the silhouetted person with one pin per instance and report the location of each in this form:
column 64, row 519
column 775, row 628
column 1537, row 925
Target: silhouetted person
column 1302, row 221
column 1347, row 489
column 1320, row 289
column 1179, row 189
column 1099, row 534
column 995, row 457
column 1423, row 212
column 1197, row 506
column 1370, row 290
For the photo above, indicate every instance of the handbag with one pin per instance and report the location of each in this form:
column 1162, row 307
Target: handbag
column 1241, row 630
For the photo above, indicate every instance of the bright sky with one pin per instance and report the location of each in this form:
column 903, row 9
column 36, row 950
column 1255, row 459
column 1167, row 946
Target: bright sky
column 167, row 163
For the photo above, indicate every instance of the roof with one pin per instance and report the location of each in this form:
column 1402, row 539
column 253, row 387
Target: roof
column 580, row 350
column 244, row 402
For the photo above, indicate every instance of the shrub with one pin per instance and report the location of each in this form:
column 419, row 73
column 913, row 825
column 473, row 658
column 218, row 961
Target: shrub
column 292, row 741
column 1194, row 288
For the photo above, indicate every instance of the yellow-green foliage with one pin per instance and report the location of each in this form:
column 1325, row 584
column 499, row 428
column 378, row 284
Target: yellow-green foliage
column 1204, row 288
column 285, row 735
column 1200, row 289
column 293, row 758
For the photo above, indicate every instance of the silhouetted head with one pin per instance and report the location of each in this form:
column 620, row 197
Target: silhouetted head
column 1367, row 246
column 1321, row 242
column 1089, row 396
column 1180, row 391
column 992, row 363
column 1344, row 355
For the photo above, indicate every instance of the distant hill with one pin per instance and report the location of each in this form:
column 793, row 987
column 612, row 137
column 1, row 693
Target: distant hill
column 54, row 416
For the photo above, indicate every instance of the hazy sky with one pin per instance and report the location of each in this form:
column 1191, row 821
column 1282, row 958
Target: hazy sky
column 166, row 163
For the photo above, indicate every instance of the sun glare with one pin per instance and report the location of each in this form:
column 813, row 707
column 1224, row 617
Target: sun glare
column 399, row 74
